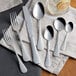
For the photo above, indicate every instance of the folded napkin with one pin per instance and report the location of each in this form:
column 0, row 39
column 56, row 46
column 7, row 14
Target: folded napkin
column 57, row 62
column 7, row 4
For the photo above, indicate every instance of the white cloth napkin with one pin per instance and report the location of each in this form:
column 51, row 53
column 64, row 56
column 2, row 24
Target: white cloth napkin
column 57, row 62
column 7, row 4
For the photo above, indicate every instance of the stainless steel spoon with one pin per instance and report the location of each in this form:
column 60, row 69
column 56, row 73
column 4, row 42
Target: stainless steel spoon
column 48, row 35
column 38, row 13
column 68, row 29
column 59, row 25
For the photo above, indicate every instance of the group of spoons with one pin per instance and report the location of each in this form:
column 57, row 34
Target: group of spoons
column 59, row 25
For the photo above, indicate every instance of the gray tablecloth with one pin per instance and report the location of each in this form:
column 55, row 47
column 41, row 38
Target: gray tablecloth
column 8, row 60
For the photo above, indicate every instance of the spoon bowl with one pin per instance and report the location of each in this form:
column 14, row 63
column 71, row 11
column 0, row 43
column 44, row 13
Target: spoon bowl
column 59, row 24
column 69, row 27
column 49, row 33
column 38, row 11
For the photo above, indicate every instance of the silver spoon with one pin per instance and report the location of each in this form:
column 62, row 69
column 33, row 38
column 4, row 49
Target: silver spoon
column 59, row 25
column 68, row 29
column 38, row 13
column 48, row 35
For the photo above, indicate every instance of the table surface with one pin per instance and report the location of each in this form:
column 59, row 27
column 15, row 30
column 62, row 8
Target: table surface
column 69, row 68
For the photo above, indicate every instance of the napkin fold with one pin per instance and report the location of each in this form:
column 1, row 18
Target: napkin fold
column 7, row 4
column 57, row 62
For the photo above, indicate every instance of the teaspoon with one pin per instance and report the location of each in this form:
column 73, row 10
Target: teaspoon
column 59, row 25
column 68, row 29
column 48, row 35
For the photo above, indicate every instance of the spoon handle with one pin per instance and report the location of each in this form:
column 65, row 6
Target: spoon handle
column 56, row 48
column 47, row 59
column 40, row 43
column 63, row 46
column 21, row 64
